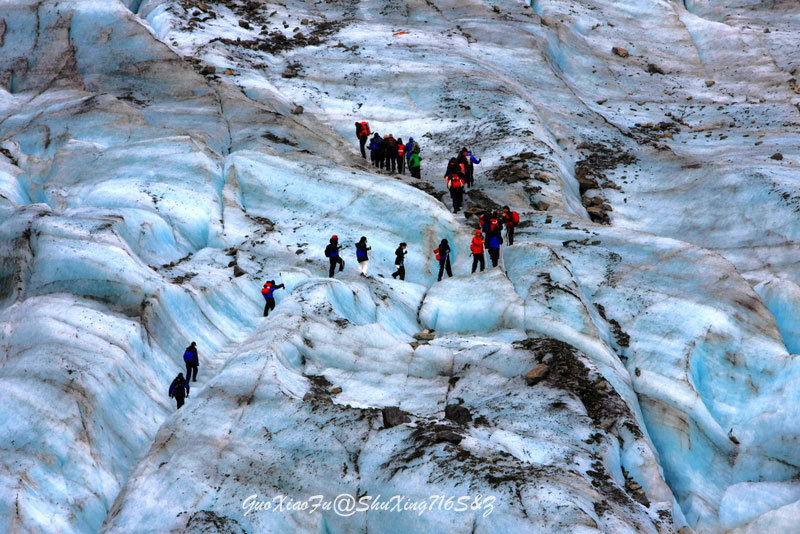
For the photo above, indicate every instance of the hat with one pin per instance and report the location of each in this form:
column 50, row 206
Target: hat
column 477, row 232
column 335, row 237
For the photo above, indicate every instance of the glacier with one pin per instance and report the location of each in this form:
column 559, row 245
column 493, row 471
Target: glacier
column 630, row 367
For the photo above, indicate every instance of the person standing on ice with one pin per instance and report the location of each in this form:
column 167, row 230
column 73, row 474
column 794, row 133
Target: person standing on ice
column 179, row 389
column 510, row 220
column 476, row 247
column 455, row 184
column 443, row 255
column 414, row 165
column 268, row 292
column 362, row 132
column 332, row 253
column 390, row 152
column 494, row 238
column 468, row 161
column 361, row 255
column 399, row 262
column 375, row 150
column 192, row 361
column 401, row 156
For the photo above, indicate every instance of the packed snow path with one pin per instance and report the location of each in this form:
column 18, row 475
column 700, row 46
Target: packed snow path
column 153, row 150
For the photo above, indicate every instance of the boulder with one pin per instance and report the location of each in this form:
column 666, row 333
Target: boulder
column 393, row 416
column 457, row 413
column 621, row 52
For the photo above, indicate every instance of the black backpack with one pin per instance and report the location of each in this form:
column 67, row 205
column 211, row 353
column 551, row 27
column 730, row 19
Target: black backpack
column 328, row 251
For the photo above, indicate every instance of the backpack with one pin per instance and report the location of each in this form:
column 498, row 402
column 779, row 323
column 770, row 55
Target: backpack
column 515, row 217
column 175, row 387
column 401, row 150
column 438, row 256
column 365, row 128
column 415, row 148
column 457, row 181
column 328, row 251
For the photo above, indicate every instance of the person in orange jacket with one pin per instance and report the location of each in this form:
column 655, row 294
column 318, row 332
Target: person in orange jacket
column 476, row 247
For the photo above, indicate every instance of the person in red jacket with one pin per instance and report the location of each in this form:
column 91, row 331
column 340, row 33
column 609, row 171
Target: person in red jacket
column 510, row 220
column 476, row 247
column 362, row 132
column 268, row 293
column 401, row 156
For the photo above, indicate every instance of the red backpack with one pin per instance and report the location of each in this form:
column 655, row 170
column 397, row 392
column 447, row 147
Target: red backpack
column 438, row 256
column 401, row 149
column 365, row 128
column 515, row 217
column 458, row 181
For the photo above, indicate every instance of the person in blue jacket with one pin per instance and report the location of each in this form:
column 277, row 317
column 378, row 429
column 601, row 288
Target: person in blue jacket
column 494, row 238
column 191, row 360
column 268, row 292
column 179, row 389
column 332, row 253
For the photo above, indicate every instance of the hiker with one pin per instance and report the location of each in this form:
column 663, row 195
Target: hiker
column 401, row 156
column 332, row 252
column 412, row 147
column 510, row 220
column 494, row 238
column 443, row 256
column 455, row 184
column 414, row 165
column 476, row 247
column 362, row 132
column 268, row 292
column 191, row 360
column 179, row 389
column 468, row 160
column 361, row 255
column 452, row 168
column 376, row 150
column 390, row 152
column 399, row 262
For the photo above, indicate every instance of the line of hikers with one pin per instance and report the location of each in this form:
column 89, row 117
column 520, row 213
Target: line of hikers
column 389, row 153
column 489, row 237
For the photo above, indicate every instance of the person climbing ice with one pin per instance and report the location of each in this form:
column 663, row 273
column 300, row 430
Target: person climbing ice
column 332, row 253
column 362, row 133
column 268, row 292
column 510, row 220
column 476, row 247
column 362, row 256
column 179, row 389
column 192, row 361
column 399, row 262
column 494, row 238
column 443, row 256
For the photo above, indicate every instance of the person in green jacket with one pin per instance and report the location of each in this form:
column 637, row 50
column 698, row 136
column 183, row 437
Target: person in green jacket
column 414, row 164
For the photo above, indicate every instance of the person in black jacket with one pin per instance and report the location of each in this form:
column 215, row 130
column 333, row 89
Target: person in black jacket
column 191, row 360
column 399, row 262
column 332, row 253
column 362, row 256
column 376, row 150
column 444, row 259
column 178, row 389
